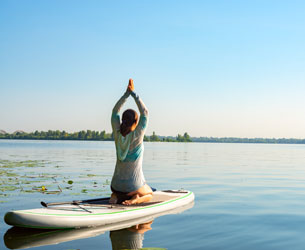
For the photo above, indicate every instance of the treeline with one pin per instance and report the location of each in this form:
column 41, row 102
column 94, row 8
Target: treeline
column 178, row 138
column 92, row 135
column 249, row 140
column 60, row 135
column 89, row 135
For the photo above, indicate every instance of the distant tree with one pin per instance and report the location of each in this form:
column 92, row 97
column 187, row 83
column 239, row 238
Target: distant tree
column 81, row 135
column 103, row 135
column 88, row 135
column 154, row 137
column 186, row 137
column 180, row 138
column 57, row 134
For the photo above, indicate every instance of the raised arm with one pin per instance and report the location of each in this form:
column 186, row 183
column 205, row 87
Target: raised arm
column 143, row 113
column 115, row 118
column 141, row 106
column 117, row 107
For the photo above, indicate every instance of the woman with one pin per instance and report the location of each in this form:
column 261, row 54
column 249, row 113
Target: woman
column 128, row 184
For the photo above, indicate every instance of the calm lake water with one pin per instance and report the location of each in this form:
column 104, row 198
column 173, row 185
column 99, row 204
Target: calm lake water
column 248, row 196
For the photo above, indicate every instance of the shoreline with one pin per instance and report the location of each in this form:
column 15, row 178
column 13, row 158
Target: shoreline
column 193, row 140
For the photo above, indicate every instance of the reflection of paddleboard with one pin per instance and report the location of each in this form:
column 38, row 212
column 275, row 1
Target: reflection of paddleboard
column 96, row 213
column 18, row 238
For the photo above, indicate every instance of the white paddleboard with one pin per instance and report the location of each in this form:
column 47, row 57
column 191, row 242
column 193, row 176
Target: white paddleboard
column 98, row 213
column 18, row 238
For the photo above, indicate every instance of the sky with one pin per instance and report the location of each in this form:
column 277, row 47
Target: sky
column 217, row 68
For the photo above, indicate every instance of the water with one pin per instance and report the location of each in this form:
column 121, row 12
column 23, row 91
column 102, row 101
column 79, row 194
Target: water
column 248, row 196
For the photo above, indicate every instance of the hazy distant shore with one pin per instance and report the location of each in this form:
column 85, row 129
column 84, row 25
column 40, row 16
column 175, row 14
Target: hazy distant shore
column 90, row 135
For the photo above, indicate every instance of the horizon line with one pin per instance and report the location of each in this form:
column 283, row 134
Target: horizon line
column 3, row 132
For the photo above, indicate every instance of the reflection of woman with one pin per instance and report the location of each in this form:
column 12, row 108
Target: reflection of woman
column 128, row 183
column 129, row 238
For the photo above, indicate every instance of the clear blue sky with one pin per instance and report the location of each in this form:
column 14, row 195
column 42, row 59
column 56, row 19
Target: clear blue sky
column 211, row 68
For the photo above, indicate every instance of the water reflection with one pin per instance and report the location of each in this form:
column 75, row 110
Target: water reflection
column 129, row 238
column 124, row 235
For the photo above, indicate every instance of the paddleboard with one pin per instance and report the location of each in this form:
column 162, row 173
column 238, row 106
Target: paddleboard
column 18, row 238
column 96, row 212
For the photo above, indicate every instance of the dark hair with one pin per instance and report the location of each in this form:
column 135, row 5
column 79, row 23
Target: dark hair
column 128, row 119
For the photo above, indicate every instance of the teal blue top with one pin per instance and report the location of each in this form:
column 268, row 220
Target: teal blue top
column 128, row 174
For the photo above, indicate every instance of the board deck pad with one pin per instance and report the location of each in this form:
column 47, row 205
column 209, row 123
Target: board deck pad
column 157, row 198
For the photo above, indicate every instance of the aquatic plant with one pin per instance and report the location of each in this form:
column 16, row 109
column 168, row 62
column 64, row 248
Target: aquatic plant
column 15, row 179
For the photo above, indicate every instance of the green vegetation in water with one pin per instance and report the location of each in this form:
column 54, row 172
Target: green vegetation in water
column 75, row 194
column 5, row 188
column 91, row 175
column 15, row 180
column 7, row 173
column 27, row 164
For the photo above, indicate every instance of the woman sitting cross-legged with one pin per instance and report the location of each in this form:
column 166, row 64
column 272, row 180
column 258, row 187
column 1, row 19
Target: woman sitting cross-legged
column 128, row 184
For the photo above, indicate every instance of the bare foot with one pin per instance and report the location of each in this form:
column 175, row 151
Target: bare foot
column 132, row 201
column 113, row 199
